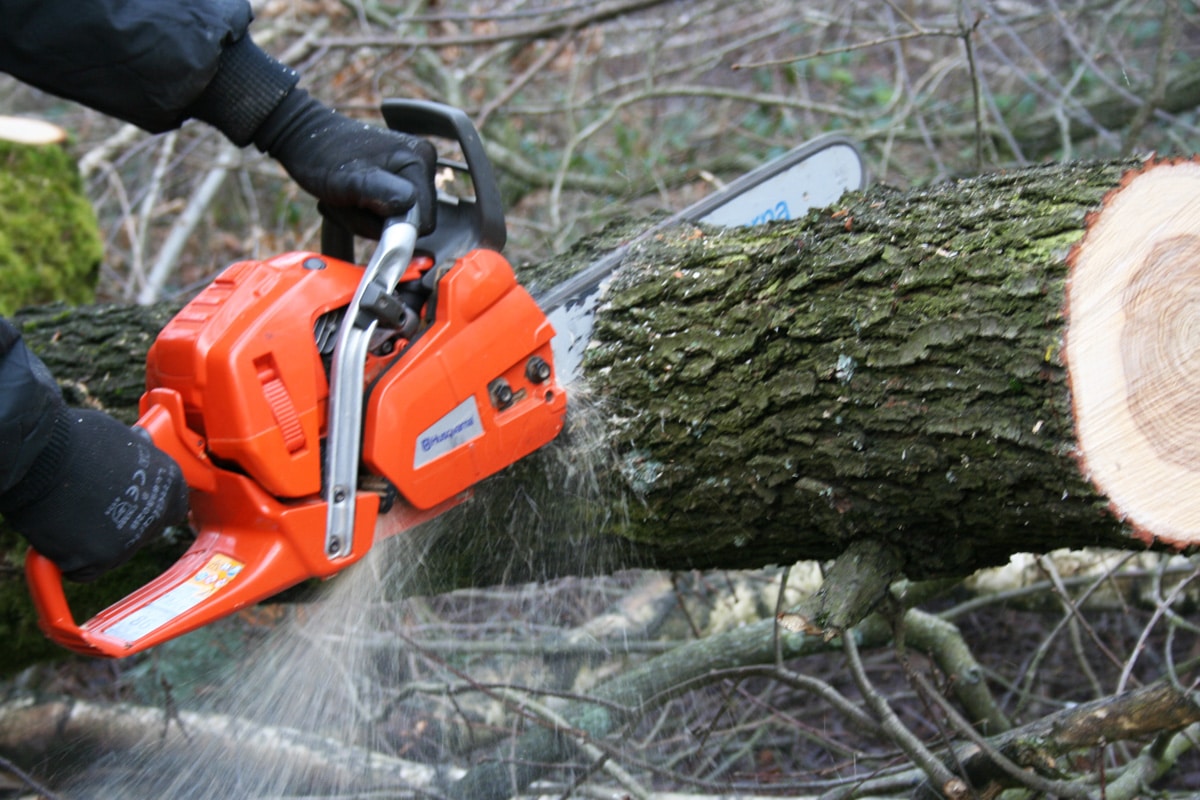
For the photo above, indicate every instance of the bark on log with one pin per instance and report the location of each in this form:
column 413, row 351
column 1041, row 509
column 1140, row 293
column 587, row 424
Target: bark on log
column 889, row 371
column 893, row 370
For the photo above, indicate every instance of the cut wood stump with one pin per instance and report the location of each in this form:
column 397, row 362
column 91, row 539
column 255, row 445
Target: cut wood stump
column 1133, row 350
column 26, row 130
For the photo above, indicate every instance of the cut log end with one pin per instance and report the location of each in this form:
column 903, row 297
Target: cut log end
column 24, row 130
column 1133, row 350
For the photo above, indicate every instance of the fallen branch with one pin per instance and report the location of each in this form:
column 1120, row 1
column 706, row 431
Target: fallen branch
column 62, row 735
column 1046, row 744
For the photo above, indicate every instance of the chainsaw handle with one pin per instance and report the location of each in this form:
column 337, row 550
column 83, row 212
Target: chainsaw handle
column 462, row 224
column 485, row 216
column 50, row 600
column 343, row 440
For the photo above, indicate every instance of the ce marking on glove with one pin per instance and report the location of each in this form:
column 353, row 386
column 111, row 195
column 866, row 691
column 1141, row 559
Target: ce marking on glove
column 125, row 506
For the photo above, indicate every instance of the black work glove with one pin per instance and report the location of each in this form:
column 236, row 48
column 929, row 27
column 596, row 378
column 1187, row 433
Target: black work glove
column 98, row 491
column 359, row 173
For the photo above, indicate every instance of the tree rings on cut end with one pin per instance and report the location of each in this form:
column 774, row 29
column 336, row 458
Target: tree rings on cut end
column 1133, row 350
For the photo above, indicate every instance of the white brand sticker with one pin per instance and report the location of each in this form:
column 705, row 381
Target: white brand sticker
column 214, row 576
column 451, row 431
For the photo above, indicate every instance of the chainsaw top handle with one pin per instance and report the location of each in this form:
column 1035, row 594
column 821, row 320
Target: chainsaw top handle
column 463, row 223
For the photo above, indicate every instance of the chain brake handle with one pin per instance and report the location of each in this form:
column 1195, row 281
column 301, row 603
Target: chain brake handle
column 462, row 224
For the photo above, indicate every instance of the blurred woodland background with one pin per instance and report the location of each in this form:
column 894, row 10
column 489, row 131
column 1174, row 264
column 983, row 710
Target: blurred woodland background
column 597, row 111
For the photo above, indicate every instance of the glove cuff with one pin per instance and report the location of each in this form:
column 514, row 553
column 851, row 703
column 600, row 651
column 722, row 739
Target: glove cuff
column 247, row 86
column 45, row 471
column 298, row 109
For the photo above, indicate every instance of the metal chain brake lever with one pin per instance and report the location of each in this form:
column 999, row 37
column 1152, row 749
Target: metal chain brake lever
column 372, row 301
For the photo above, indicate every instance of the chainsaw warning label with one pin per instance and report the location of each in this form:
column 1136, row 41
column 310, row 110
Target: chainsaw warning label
column 216, row 574
column 453, row 430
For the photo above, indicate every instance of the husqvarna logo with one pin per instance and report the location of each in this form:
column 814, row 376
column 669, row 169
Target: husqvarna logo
column 454, row 430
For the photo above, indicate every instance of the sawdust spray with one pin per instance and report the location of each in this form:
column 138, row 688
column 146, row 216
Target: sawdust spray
column 320, row 707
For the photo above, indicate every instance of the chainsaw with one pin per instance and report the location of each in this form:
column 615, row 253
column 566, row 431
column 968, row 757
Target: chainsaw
column 314, row 405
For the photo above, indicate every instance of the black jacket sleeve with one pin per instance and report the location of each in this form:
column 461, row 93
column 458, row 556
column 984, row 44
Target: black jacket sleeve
column 30, row 401
column 143, row 61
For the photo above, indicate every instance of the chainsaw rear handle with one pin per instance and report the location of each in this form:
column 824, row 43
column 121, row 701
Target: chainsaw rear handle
column 462, row 224
column 251, row 547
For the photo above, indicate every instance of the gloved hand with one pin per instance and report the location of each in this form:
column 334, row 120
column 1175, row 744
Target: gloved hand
column 98, row 491
column 360, row 173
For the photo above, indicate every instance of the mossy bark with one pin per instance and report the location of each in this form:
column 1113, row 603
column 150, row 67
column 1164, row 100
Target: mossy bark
column 889, row 370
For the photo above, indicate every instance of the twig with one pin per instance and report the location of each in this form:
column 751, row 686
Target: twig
column 585, row 746
column 1127, row 671
column 1019, row 774
column 850, row 48
column 952, row 786
column 524, row 78
column 1170, row 27
column 28, row 780
column 1031, row 669
column 593, row 16
column 780, row 600
column 150, row 199
column 181, row 232
column 967, row 32
column 100, row 156
column 1077, row 620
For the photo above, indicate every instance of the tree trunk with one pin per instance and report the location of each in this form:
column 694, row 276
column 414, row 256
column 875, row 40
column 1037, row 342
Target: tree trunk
column 890, row 371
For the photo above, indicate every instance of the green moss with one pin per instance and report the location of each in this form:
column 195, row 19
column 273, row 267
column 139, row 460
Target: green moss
column 50, row 245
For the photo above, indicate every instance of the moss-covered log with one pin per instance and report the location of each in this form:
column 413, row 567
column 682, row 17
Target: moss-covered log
column 889, row 370
column 50, row 244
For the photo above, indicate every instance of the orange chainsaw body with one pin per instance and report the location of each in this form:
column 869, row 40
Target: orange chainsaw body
column 238, row 393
